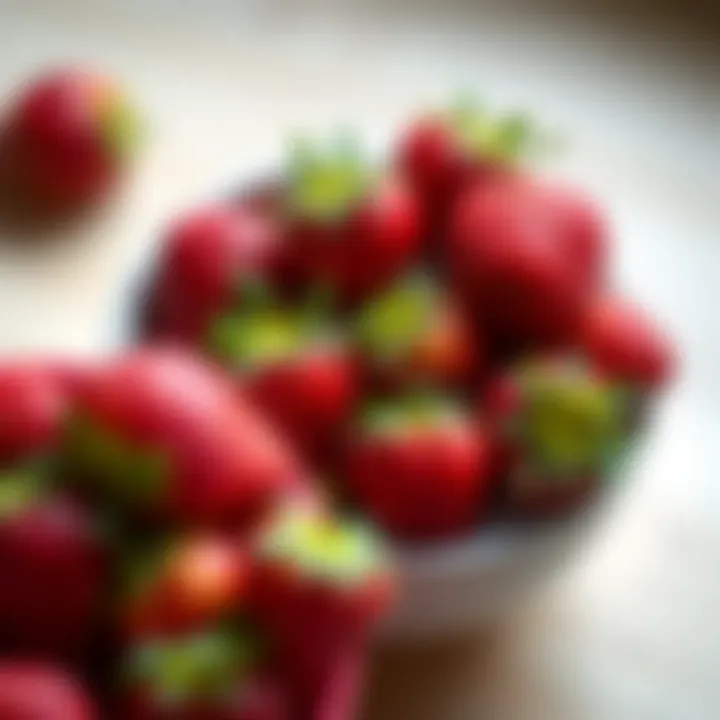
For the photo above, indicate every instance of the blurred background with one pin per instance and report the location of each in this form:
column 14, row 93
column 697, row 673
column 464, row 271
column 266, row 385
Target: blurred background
column 629, row 632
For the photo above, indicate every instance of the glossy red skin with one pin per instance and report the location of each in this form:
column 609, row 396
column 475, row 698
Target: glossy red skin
column 308, row 398
column 53, row 570
column 198, row 582
column 421, row 483
column 261, row 700
column 361, row 253
column 627, row 345
column 320, row 633
column 510, row 259
column 225, row 464
column 31, row 691
column 205, row 256
column 56, row 131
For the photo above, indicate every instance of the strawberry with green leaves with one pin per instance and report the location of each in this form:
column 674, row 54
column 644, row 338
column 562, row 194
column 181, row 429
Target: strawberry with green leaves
column 320, row 586
column 419, row 467
column 73, row 133
column 209, row 675
column 346, row 227
column 183, row 584
column 54, row 564
column 561, row 428
column 412, row 334
column 208, row 258
column 163, row 434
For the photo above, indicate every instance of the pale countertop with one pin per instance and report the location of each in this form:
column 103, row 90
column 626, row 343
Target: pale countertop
column 631, row 631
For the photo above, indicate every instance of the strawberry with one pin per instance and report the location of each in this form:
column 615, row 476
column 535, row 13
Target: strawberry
column 35, row 691
column 53, row 570
column 515, row 258
column 561, row 428
column 209, row 257
column 413, row 335
column 73, row 133
column 444, row 153
column 184, row 585
column 627, row 345
column 419, row 467
column 346, row 229
column 295, row 367
column 163, row 432
column 205, row 676
column 320, row 586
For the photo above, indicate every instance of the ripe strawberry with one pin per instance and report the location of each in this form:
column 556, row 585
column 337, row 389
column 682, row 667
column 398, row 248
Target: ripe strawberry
column 413, row 335
column 419, row 467
column 346, row 229
column 184, row 585
column 34, row 691
column 73, row 133
column 295, row 368
column 561, row 427
column 53, row 570
column 208, row 259
column 444, row 153
column 164, row 432
column 320, row 586
column 515, row 258
column 207, row 676
column 627, row 346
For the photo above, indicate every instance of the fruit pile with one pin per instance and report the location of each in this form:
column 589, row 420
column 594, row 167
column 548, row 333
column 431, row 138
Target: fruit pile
column 426, row 345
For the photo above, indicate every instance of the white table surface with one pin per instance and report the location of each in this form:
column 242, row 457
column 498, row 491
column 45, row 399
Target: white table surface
column 631, row 631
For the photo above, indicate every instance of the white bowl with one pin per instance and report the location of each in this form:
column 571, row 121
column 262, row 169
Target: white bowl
column 448, row 587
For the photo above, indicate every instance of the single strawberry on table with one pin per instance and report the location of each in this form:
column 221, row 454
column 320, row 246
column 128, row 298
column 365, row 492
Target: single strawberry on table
column 413, row 334
column 72, row 133
column 320, row 586
column 209, row 675
column 38, row 691
column 183, row 584
column 561, row 428
column 164, row 433
column 347, row 226
column 521, row 264
column 295, row 366
column 54, row 565
column 419, row 466
column 208, row 257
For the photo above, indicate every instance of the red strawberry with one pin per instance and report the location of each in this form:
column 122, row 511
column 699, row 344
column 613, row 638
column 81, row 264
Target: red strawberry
column 626, row 344
column 164, row 432
column 320, row 586
column 73, row 133
column 207, row 676
column 419, row 467
column 413, row 335
column 560, row 428
column 512, row 258
column 33, row 691
column 345, row 229
column 53, row 568
column 208, row 258
column 296, row 369
column 444, row 153
column 184, row 585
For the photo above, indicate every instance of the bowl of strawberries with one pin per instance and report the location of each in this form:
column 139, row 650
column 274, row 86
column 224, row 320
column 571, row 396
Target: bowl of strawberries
column 436, row 340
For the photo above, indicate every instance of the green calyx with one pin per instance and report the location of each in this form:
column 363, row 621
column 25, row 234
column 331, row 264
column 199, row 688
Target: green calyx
column 504, row 139
column 206, row 666
column 326, row 183
column 414, row 413
column 391, row 324
column 323, row 548
column 122, row 469
column 120, row 127
column 573, row 421
column 18, row 492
